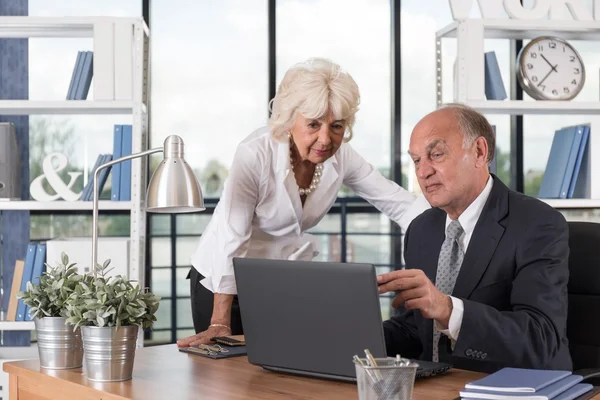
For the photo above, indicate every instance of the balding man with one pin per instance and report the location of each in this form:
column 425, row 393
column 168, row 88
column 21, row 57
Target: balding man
column 487, row 268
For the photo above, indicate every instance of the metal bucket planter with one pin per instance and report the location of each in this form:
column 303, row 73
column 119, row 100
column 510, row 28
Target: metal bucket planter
column 109, row 352
column 59, row 347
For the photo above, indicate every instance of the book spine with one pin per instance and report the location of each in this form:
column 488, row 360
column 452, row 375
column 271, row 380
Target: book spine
column 86, row 76
column 38, row 269
column 115, row 193
column 78, row 72
column 11, row 313
column 73, row 84
column 583, row 149
column 126, row 148
column 566, row 182
column 27, row 275
column 494, row 86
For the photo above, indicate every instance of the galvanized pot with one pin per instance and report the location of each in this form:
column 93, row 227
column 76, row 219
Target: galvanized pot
column 109, row 352
column 59, row 347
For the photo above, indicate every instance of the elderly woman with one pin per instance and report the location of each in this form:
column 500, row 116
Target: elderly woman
column 284, row 178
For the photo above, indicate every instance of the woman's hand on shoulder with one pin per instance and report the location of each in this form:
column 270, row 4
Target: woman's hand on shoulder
column 204, row 337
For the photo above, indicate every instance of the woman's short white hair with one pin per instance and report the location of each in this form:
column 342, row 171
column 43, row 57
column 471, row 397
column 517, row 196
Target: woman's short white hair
column 314, row 88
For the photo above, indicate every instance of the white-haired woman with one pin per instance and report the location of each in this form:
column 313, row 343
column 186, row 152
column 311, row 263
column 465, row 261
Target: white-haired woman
column 284, row 178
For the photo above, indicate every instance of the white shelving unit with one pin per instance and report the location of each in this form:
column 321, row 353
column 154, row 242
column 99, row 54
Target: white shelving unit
column 25, row 107
column 470, row 78
column 136, row 32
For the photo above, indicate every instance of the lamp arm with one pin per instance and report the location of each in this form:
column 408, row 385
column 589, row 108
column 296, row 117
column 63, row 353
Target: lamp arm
column 96, row 195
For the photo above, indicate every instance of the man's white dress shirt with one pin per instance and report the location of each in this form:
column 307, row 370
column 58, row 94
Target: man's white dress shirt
column 260, row 213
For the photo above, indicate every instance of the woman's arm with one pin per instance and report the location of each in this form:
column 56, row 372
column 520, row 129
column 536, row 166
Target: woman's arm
column 395, row 202
column 229, row 238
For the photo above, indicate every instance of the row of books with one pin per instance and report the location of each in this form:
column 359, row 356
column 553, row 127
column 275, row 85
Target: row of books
column 25, row 271
column 530, row 384
column 121, row 172
column 81, row 78
column 567, row 170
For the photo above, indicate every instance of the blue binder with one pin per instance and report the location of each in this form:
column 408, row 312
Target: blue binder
column 126, row 149
column 115, row 189
column 564, row 188
column 38, row 269
column 73, row 84
column 518, row 380
column 77, row 78
column 27, row 274
column 581, row 157
column 494, row 87
column 85, row 79
column 547, row 393
column 556, row 167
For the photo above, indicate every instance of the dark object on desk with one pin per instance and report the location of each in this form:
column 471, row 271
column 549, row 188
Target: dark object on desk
column 236, row 340
column 199, row 350
column 281, row 322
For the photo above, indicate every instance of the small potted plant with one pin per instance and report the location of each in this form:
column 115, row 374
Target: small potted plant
column 59, row 346
column 110, row 311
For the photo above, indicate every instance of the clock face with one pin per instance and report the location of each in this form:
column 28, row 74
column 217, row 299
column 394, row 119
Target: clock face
column 551, row 69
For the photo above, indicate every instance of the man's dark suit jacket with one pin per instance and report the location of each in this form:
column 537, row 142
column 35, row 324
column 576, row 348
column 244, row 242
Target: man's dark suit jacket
column 513, row 282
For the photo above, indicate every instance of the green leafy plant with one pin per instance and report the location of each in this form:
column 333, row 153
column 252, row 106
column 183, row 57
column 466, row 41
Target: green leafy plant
column 48, row 297
column 110, row 302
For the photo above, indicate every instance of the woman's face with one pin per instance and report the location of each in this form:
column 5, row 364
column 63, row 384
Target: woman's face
column 318, row 139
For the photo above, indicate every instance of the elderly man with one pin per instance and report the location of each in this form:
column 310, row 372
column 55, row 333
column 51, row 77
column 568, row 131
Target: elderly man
column 487, row 268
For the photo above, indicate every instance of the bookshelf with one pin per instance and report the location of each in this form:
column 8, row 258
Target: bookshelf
column 470, row 78
column 108, row 58
column 17, row 325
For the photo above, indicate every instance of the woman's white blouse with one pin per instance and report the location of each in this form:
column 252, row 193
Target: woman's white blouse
column 260, row 214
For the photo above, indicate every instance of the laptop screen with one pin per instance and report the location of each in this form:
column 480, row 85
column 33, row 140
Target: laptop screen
column 309, row 317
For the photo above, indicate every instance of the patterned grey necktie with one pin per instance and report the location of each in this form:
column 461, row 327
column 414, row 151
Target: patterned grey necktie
column 449, row 262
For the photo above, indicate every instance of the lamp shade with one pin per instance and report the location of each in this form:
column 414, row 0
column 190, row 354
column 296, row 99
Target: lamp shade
column 174, row 187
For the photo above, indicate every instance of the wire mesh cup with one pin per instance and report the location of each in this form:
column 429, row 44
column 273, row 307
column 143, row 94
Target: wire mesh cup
column 390, row 379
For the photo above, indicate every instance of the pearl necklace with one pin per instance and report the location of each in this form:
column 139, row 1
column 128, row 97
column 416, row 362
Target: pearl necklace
column 315, row 179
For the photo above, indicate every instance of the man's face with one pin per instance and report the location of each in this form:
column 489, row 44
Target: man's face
column 447, row 172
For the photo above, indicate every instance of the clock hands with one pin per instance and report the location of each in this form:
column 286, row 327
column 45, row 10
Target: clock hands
column 547, row 75
column 553, row 67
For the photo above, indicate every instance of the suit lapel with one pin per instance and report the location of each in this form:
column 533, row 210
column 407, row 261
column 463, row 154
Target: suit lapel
column 484, row 240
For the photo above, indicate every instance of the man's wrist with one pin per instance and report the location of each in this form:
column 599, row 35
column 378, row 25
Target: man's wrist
column 444, row 320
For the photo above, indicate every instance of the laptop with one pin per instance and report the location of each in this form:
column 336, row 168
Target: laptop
column 310, row 318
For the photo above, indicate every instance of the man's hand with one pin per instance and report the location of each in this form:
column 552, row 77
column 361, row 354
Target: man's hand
column 417, row 292
column 204, row 337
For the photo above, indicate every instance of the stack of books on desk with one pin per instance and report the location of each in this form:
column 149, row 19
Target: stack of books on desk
column 530, row 384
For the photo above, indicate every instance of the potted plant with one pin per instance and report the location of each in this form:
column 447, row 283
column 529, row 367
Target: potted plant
column 59, row 346
column 110, row 311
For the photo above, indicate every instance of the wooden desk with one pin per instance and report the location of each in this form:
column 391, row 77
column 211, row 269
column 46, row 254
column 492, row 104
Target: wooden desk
column 162, row 372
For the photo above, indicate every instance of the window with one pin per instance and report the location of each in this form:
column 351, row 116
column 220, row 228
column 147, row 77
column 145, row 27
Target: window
column 419, row 23
column 209, row 86
column 322, row 28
